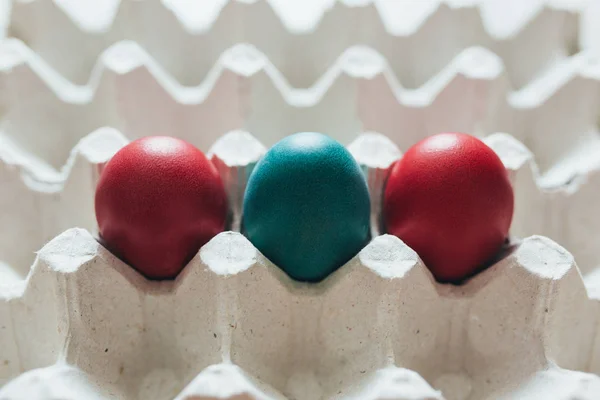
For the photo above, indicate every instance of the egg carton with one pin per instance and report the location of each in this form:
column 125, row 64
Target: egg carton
column 82, row 318
column 555, row 115
column 302, row 38
column 74, row 67
column 233, row 326
column 80, row 65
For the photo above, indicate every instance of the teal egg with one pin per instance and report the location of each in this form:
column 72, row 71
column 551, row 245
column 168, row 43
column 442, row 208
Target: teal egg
column 307, row 207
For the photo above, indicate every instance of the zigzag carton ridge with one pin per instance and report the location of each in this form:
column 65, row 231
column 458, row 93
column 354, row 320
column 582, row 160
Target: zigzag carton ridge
column 529, row 312
column 298, row 37
column 555, row 115
column 44, row 202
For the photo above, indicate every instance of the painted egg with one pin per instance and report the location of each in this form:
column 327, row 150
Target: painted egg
column 158, row 200
column 307, row 206
column 450, row 199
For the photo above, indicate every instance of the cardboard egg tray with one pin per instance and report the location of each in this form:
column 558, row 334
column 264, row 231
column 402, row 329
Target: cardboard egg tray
column 85, row 325
column 81, row 65
column 81, row 78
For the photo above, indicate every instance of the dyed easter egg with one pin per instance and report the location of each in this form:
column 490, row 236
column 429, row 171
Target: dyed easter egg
column 158, row 200
column 307, row 207
column 450, row 199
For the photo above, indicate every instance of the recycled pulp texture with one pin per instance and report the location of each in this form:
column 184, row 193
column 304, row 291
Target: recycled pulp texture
column 508, row 332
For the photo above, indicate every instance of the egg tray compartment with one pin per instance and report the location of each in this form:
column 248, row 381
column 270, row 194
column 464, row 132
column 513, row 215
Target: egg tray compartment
column 556, row 114
column 303, row 38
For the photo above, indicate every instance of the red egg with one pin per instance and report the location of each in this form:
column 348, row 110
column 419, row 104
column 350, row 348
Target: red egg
column 450, row 199
column 158, row 200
